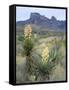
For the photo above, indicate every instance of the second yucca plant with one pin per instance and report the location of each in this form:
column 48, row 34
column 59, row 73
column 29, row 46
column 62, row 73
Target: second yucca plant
column 45, row 63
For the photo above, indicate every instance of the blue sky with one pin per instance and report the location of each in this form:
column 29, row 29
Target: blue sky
column 23, row 13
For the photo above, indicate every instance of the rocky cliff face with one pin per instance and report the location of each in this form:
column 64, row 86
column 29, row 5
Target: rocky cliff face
column 44, row 22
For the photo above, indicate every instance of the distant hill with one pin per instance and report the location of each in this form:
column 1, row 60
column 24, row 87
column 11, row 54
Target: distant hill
column 42, row 23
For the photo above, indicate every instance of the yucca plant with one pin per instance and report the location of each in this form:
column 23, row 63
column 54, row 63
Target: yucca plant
column 45, row 63
column 28, row 46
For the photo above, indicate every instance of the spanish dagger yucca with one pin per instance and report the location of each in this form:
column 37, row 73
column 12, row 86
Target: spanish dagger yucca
column 28, row 41
column 46, row 62
column 28, row 46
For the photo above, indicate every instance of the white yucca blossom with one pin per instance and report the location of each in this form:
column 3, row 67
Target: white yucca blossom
column 45, row 54
column 28, row 31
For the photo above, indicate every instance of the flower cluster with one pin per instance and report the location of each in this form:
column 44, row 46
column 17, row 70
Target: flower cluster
column 27, row 31
column 45, row 54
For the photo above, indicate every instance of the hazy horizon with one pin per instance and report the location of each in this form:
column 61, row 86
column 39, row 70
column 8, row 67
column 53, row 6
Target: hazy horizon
column 23, row 13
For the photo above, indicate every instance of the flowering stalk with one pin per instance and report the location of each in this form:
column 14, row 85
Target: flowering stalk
column 28, row 31
column 45, row 55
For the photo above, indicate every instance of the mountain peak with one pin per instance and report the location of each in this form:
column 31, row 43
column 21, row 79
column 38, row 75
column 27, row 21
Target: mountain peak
column 34, row 16
column 44, row 22
column 53, row 18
